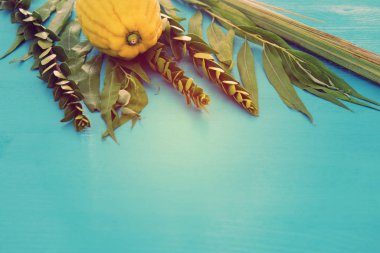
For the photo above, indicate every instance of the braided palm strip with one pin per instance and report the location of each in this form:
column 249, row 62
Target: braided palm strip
column 161, row 63
column 225, row 81
column 200, row 52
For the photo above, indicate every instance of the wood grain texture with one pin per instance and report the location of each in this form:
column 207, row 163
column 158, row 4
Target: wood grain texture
column 184, row 181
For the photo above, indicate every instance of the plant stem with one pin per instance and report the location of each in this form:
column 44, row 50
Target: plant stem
column 337, row 50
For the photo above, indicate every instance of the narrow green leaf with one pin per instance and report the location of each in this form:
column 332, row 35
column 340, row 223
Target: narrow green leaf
column 195, row 24
column 89, row 82
column 281, row 82
column 199, row 3
column 229, row 13
column 303, row 80
column 222, row 43
column 343, row 85
column 319, row 72
column 326, row 96
column 246, row 67
column 358, row 102
column 18, row 42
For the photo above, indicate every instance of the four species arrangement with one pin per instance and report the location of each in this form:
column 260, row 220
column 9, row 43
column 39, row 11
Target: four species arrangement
column 133, row 35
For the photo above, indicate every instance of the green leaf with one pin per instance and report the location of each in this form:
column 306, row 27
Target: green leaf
column 195, row 24
column 246, row 67
column 323, row 78
column 18, row 42
column 112, row 85
column 23, row 58
column 64, row 10
column 337, row 81
column 229, row 13
column 81, row 49
column 47, row 9
column 200, row 45
column 199, row 3
column 139, row 100
column 303, row 80
column 169, row 8
column 326, row 96
column 77, row 59
column 89, row 82
column 70, row 36
column 222, row 43
column 136, row 68
column 281, row 82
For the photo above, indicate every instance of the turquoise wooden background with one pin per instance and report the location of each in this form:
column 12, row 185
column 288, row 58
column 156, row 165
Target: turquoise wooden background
column 185, row 181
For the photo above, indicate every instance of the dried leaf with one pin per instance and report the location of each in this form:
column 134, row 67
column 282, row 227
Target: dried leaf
column 18, row 42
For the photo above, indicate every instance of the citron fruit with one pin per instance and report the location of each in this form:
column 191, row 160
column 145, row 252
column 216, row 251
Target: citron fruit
column 120, row 28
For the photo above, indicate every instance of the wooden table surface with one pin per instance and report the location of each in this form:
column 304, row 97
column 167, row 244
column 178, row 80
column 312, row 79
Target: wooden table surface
column 187, row 181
